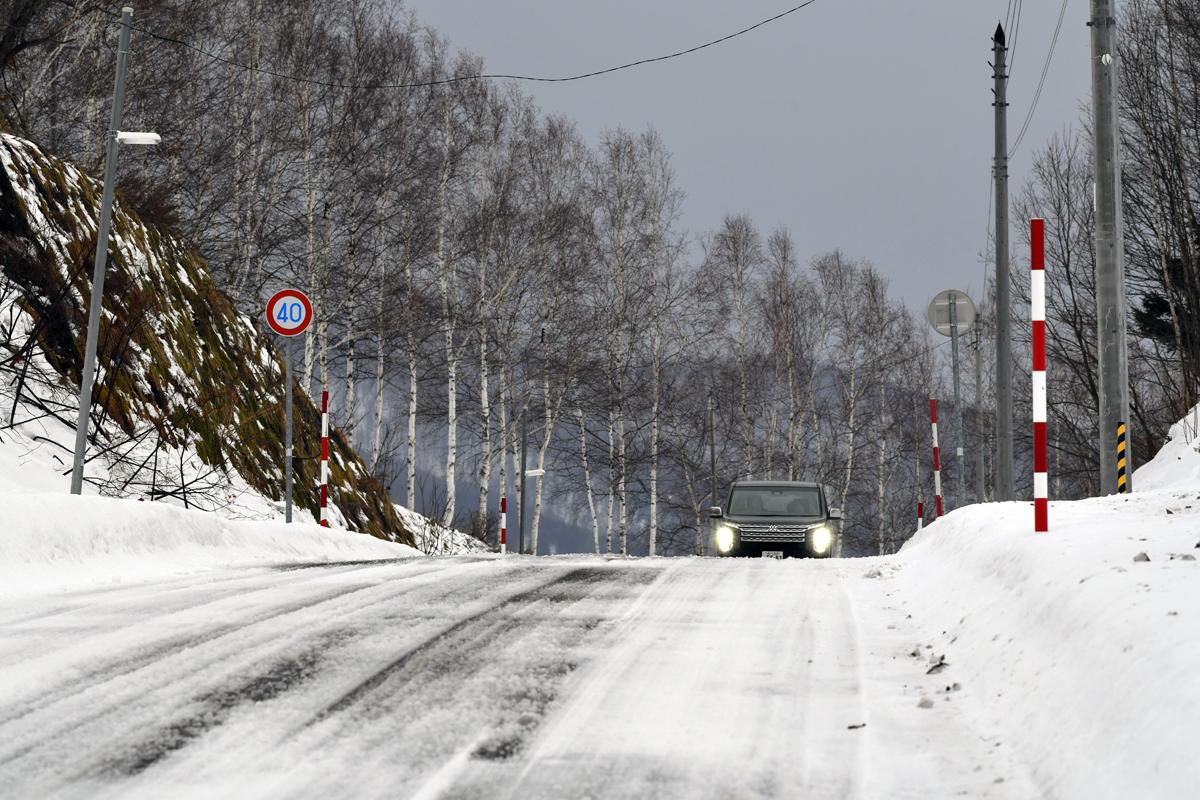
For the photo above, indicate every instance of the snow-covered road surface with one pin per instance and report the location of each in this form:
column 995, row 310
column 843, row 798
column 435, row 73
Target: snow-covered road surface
column 486, row 678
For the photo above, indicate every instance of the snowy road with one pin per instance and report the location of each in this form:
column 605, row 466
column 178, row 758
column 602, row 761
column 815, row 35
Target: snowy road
column 481, row 678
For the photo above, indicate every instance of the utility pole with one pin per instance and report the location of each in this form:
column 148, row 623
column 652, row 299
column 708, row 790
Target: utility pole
column 524, row 441
column 97, row 300
column 1110, row 256
column 1004, row 391
column 960, row 433
column 712, row 447
column 979, row 434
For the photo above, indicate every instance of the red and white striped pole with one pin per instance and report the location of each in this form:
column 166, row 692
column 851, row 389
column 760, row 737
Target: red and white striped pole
column 503, row 525
column 325, row 459
column 920, row 515
column 937, row 459
column 1037, row 296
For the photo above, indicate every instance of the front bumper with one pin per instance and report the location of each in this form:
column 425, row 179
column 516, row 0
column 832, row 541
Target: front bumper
column 794, row 539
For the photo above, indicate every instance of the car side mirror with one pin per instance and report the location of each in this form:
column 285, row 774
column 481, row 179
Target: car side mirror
column 835, row 513
column 715, row 513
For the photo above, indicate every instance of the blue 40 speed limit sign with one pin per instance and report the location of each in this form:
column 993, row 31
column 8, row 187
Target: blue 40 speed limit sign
column 289, row 312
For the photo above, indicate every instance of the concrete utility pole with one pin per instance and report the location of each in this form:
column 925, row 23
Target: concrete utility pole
column 961, row 432
column 1004, row 391
column 97, row 300
column 1110, row 256
column 980, row 439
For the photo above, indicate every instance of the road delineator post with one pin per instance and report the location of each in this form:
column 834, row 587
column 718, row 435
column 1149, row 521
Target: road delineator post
column 937, row 459
column 1122, row 478
column 503, row 525
column 325, row 459
column 1037, row 316
column 920, row 515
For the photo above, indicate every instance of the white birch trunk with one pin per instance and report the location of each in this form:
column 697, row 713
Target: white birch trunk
column 380, row 372
column 852, row 399
column 447, row 285
column 623, row 522
column 350, row 399
column 612, row 482
column 587, row 481
column 655, row 391
column 410, row 446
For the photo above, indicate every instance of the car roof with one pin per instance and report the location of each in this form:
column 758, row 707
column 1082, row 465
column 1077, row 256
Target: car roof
column 803, row 484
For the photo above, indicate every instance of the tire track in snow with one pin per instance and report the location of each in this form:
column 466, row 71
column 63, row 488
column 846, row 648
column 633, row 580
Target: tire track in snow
column 459, row 628
column 484, row 683
column 45, row 728
column 136, row 612
column 98, row 672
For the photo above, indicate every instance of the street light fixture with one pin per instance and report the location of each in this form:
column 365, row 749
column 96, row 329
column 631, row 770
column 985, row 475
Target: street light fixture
column 138, row 137
column 115, row 136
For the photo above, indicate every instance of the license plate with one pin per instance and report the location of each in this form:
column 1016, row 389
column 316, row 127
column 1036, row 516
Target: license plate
column 772, row 554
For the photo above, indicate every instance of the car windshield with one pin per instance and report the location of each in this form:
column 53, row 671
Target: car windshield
column 775, row 501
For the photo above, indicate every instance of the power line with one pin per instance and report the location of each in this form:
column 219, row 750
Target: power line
column 1016, row 32
column 1037, row 96
column 462, row 78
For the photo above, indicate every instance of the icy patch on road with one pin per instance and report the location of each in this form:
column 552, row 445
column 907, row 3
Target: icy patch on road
column 53, row 541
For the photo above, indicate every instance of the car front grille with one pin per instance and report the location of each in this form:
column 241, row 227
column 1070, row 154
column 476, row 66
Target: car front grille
column 774, row 533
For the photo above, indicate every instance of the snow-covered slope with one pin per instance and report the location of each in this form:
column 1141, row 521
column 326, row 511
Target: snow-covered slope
column 1084, row 641
column 188, row 393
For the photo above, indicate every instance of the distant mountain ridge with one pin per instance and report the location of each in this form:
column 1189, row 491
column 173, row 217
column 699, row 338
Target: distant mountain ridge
column 189, row 393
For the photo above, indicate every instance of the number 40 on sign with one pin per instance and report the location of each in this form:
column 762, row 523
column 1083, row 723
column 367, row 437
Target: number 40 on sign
column 289, row 312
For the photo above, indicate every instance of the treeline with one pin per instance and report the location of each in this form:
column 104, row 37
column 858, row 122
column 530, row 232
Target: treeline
column 473, row 261
column 1160, row 124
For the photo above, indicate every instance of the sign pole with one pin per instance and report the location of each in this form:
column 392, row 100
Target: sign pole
column 287, row 433
column 958, row 452
column 289, row 313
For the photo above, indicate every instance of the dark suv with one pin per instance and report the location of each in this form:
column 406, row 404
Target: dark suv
column 776, row 518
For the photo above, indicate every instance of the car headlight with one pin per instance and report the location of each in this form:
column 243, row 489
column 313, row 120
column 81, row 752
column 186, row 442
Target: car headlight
column 724, row 538
column 821, row 539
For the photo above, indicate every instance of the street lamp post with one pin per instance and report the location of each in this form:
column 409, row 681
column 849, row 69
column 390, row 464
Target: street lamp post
column 115, row 136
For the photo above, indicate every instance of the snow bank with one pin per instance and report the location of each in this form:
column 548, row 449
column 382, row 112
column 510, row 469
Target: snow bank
column 54, row 541
column 1177, row 465
column 435, row 539
column 1088, row 656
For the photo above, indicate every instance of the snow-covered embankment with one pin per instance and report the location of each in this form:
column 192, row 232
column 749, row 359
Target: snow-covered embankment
column 54, row 541
column 1085, row 642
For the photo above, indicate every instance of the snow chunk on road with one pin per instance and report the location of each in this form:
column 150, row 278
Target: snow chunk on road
column 1087, row 660
column 53, row 541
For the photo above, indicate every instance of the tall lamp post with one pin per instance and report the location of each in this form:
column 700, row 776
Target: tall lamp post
column 115, row 136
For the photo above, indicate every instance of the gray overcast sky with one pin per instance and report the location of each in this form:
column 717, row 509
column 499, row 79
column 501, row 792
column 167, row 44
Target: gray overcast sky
column 859, row 124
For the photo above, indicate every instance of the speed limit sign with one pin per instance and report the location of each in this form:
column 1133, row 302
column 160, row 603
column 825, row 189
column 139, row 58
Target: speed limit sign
column 289, row 312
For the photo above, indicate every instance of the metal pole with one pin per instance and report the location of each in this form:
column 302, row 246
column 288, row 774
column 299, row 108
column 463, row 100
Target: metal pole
column 712, row 447
column 980, row 442
column 1004, row 391
column 961, row 497
column 97, row 300
column 1110, row 268
column 524, row 440
column 287, row 432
